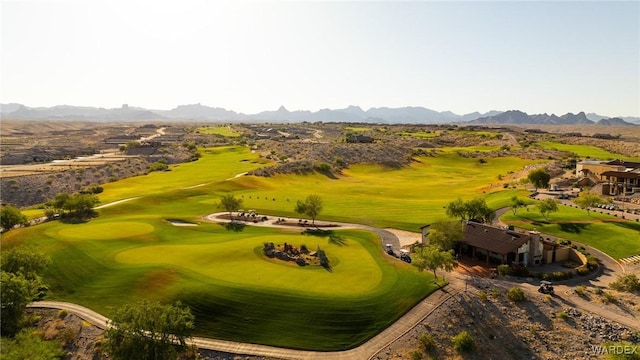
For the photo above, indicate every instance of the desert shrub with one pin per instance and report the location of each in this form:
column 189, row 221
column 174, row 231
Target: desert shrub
column 562, row 315
column 516, row 294
column 415, row 355
column 67, row 335
column 323, row 167
column 608, row 298
column 592, row 262
column 462, row 342
column 628, row 283
column 482, row 295
column 580, row 290
column 503, row 269
column 559, row 275
column 427, row 342
column 495, row 293
column 582, row 270
column 158, row 166
column 548, row 298
column 597, row 291
column 62, row 314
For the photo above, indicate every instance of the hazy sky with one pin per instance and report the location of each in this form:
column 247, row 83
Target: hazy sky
column 553, row 57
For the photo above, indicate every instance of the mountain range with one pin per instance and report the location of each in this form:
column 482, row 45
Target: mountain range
column 198, row 112
column 516, row 117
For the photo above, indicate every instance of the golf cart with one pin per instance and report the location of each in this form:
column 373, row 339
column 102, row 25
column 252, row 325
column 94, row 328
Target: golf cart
column 389, row 249
column 545, row 287
column 404, row 255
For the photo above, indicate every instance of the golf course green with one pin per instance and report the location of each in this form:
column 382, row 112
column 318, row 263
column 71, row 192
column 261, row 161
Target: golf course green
column 132, row 251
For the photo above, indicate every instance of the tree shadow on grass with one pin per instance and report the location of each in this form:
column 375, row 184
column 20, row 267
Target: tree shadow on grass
column 235, row 226
column 627, row 225
column 337, row 240
column 573, row 228
column 539, row 222
column 318, row 232
column 73, row 220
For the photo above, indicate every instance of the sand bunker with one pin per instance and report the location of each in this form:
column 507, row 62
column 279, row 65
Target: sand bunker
column 178, row 222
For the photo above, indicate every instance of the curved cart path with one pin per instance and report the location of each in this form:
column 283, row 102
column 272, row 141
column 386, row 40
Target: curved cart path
column 457, row 283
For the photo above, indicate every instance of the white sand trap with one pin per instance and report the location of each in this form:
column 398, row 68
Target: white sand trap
column 177, row 222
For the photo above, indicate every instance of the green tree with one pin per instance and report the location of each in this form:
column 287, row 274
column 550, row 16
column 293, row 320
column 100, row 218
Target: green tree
column 516, row 203
column 445, row 233
column 539, row 178
column 587, row 200
column 230, row 203
column 25, row 261
column 477, row 209
column 80, row 206
column 310, row 207
column 473, row 209
column 457, row 209
column 433, row 258
column 10, row 217
column 21, row 282
column 149, row 331
column 547, row 206
column 15, row 294
column 27, row 344
column 58, row 202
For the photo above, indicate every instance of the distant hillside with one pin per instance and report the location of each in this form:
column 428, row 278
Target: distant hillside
column 67, row 112
column 416, row 115
column 516, row 117
column 198, row 112
column 614, row 122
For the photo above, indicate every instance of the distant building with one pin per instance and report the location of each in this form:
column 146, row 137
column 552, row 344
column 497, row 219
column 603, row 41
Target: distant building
column 496, row 245
column 618, row 177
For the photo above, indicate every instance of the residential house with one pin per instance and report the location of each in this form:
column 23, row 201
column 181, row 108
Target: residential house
column 496, row 245
column 618, row 177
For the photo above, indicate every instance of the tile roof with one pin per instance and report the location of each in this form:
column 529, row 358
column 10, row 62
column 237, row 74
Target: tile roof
column 494, row 239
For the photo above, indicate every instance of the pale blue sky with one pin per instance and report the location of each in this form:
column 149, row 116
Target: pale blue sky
column 553, row 57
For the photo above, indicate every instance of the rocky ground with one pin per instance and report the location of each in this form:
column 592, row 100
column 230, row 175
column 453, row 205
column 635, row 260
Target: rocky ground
column 541, row 327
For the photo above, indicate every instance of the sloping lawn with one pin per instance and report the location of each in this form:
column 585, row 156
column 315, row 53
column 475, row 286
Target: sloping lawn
column 132, row 252
column 236, row 292
column 614, row 236
column 586, row 151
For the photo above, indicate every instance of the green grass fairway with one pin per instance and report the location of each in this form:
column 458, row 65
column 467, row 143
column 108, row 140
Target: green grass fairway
column 586, row 151
column 404, row 198
column 235, row 292
column 607, row 233
column 420, row 134
column 131, row 251
column 354, row 271
column 222, row 130
column 216, row 164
